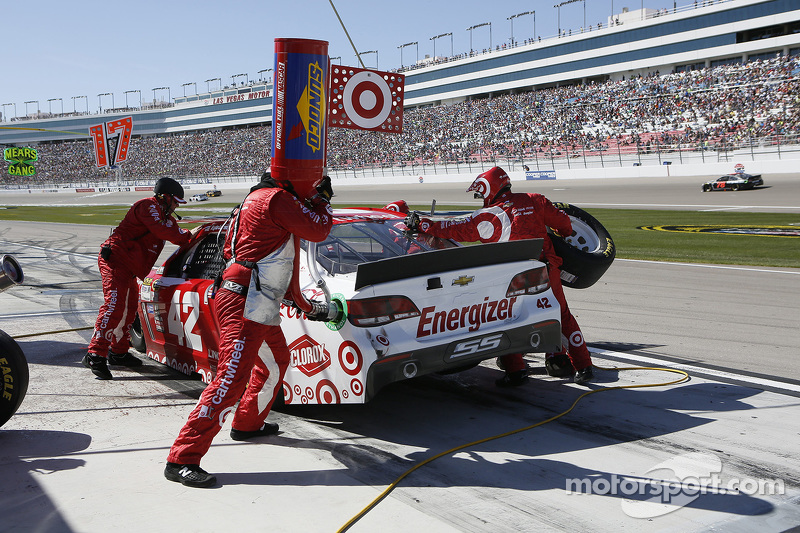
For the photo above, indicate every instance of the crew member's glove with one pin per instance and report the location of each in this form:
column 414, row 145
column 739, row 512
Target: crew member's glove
column 412, row 221
column 325, row 190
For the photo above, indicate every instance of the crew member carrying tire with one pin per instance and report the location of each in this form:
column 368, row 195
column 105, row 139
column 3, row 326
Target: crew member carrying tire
column 129, row 253
column 508, row 216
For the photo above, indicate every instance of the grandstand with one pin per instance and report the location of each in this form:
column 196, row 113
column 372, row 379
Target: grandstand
column 701, row 82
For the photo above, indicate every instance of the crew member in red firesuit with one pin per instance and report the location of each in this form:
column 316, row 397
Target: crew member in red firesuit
column 260, row 252
column 508, row 216
column 129, row 253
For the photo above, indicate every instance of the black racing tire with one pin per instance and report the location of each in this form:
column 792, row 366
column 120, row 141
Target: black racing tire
column 587, row 253
column 14, row 372
column 734, row 188
column 706, row 188
column 137, row 336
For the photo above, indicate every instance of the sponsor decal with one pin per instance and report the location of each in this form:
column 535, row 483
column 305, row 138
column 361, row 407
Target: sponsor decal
column 311, row 107
column 540, row 175
column 350, row 358
column 432, row 322
column 308, row 356
column 463, row 280
column 726, row 229
column 230, row 372
column 91, row 189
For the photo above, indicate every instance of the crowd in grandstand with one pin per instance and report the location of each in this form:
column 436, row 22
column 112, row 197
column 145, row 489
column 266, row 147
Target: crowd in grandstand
column 700, row 108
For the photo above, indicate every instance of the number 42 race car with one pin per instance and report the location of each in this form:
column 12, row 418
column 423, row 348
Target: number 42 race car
column 411, row 305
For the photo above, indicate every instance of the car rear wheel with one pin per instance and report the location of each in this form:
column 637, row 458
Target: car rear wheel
column 137, row 336
column 587, row 253
column 14, row 369
column 734, row 187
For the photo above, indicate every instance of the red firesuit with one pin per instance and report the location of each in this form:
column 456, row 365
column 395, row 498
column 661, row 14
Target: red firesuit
column 252, row 345
column 129, row 253
column 514, row 216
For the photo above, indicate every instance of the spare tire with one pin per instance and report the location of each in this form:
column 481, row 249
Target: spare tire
column 587, row 253
column 14, row 372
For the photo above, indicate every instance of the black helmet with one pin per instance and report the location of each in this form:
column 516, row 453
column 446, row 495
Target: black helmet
column 170, row 187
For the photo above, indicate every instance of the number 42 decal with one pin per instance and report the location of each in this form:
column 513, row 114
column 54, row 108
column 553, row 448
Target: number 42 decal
column 543, row 303
column 189, row 303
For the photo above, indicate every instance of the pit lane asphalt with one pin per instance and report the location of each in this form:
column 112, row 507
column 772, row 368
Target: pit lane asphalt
column 86, row 455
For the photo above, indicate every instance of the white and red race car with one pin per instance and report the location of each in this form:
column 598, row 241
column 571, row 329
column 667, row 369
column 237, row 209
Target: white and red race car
column 413, row 305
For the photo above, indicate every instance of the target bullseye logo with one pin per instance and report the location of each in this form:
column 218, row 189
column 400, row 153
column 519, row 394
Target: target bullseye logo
column 366, row 99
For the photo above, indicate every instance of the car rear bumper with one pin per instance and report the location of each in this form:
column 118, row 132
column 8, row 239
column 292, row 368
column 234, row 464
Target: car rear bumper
column 540, row 337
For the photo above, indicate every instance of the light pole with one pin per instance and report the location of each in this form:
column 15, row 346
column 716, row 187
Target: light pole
column 184, row 85
column 368, row 52
column 261, row 72
column 233, row 78
column 208, row 87
column 15, row 109
column 442, row 35
column 31, row 102
column 76, row 98
column 50, row 106
column 572, row 2
column 415, row 43
column 512, row 17
column 482, row 24
column 99, row 101
column 337, row 57
column 169, row 94
column 134, row 91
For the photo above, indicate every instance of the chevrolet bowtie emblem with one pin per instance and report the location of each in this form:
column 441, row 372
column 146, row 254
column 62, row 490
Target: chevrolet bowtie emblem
column 463, row 280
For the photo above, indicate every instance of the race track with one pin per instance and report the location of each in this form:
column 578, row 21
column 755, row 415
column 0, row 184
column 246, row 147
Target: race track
column 77, row 442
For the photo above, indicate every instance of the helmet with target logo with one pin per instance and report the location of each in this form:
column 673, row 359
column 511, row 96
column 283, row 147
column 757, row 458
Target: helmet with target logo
column 400, row 206
column 490, row 184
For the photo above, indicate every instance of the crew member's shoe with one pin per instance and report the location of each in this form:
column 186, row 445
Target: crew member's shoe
column 267, row 429
column 559, row 366
column 123, row 359
column 189, row 475
column 512, row 379
column 97, row 364
column 584, row 375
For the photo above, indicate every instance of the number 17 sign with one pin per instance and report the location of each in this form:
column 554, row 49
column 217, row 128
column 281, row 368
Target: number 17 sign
column 111, row 140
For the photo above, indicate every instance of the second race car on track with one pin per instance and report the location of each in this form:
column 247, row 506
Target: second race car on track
column 733, row 182
column 411, row 305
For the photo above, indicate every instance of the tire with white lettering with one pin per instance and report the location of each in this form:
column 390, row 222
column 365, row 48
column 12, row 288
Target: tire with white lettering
column 137, row 336
column 587, row 253
column 14, row 372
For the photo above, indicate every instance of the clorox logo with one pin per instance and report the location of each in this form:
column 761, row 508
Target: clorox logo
column 309, row 356
column 311, row 107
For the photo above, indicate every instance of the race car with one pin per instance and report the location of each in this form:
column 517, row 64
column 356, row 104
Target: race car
column 410, row 305
column 213, row 192
column 198, row 198
column 734, row 182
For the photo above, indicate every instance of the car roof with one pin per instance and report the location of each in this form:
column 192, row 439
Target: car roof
column 344, row 215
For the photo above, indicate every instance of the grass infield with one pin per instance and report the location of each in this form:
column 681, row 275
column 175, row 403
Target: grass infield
column 692, row 245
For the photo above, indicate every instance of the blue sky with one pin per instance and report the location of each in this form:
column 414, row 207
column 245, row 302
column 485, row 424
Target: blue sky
column 56, row 49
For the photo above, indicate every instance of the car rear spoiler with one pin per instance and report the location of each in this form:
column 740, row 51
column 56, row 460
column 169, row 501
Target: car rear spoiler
column 434, row 261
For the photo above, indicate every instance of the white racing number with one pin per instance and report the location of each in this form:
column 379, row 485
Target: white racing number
column 490, row 342
column 183, row 330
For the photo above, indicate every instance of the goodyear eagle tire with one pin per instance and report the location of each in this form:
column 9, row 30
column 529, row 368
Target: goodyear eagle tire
column 137, row 336
column 587, row 253
column 14, row 371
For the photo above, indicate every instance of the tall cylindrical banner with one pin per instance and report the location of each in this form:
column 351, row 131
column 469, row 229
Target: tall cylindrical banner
column 299, row 113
